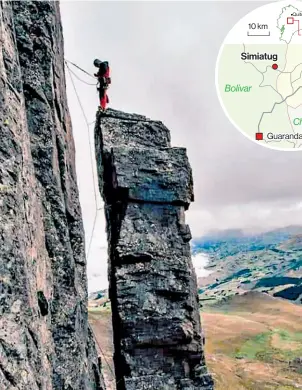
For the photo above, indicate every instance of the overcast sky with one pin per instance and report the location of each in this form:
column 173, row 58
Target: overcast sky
column 162, row 57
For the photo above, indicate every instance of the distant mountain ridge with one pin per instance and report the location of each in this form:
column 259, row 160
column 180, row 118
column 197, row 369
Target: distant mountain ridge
column 229, row 242
column 269, row 262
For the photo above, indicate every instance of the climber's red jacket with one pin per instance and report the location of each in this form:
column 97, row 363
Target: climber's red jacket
column 103, row 74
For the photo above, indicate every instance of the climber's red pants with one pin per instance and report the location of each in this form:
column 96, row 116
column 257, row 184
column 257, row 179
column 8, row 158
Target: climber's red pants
column 103, row 98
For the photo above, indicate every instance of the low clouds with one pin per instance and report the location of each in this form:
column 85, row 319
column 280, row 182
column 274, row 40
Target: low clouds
column 253, row 217
column 163, row 57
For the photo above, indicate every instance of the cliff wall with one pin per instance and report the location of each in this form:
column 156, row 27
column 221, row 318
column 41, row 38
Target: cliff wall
column 45, row 341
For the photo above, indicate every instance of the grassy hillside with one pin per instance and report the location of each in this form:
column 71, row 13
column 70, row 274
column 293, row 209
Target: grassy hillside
column 270, row 262
column 253, row 342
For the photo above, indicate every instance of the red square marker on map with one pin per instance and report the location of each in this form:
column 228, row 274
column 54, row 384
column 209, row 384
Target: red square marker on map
column 290, row 20
column 259, row 136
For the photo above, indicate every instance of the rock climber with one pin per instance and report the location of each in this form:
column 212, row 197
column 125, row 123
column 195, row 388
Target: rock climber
column 104, row 80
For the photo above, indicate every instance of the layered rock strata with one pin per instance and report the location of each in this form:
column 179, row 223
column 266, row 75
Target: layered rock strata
column 45, row 341
column 147, row 186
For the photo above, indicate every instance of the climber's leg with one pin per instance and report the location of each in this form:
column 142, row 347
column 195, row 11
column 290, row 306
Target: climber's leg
column 101, row 95
column 103, row 102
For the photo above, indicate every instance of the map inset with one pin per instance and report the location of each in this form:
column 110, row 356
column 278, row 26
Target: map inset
column 259, row 75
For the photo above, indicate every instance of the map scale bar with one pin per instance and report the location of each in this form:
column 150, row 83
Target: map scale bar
column 258, row 35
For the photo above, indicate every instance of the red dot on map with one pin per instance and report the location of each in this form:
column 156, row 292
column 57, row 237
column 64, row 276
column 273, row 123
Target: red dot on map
column 275, row 66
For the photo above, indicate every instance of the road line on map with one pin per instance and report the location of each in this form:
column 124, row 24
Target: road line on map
column 269, row 112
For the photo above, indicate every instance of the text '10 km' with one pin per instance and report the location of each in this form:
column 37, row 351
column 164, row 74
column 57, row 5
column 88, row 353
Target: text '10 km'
column 258, row 26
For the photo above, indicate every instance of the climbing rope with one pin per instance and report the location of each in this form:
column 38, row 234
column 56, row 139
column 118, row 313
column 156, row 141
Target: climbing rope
column 88, row 130
column 72, row 63
column 106, row 361
column 76, row 76
column 91, row 155
column 104, row 356
column 92, row 232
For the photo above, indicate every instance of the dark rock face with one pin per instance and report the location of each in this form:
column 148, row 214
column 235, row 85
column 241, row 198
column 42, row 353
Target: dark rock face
column 147, row 185
column 45, row 341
